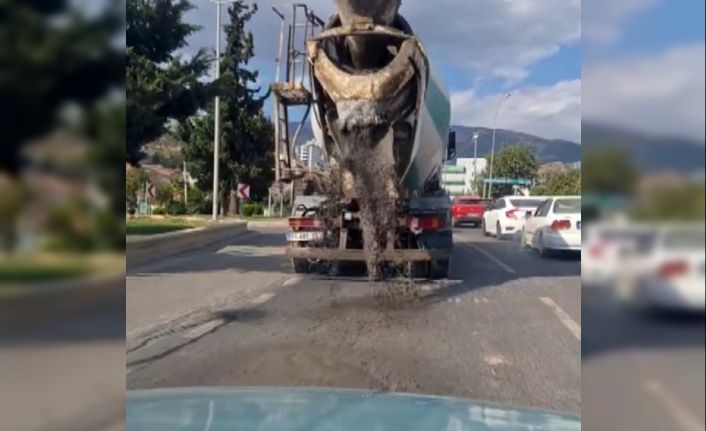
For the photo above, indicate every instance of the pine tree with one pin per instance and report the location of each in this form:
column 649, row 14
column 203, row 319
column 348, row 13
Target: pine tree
column 161, row 86
column 246, row 141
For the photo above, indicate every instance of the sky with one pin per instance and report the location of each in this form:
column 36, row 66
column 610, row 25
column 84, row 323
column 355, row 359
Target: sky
column 534, row 49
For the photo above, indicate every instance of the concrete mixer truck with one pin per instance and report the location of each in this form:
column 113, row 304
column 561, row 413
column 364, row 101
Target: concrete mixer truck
column 382, row 119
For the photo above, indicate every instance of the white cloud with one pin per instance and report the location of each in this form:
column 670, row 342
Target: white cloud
column 661, row 94
column 546, row 111
column 487, row 38
column 604, row 20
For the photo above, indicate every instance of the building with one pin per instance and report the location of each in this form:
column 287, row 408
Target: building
column 459, row 178
column 310, row 155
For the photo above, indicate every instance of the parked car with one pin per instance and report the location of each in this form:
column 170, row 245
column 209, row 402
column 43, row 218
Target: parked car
column 506, row 216
column 554, row 226
column 669, row 274
column 468, row 209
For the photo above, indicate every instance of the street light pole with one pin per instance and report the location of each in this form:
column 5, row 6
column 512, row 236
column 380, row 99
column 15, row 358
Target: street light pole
column 492, row 151
column 475, row 163
column 217, row 110
column 217, row 116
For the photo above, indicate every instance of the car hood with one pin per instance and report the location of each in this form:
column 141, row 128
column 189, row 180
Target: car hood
column 302, row 409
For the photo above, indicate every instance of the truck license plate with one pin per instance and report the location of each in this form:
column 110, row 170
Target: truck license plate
column 304, row 236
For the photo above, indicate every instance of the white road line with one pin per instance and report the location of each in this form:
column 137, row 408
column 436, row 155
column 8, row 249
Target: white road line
column 565, row 319
column 494, row 259
column 676, row 410
column 261, row 299
column 291, row 281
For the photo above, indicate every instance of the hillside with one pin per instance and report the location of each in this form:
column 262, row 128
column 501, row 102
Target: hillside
column 548, row 150
column 649, row 153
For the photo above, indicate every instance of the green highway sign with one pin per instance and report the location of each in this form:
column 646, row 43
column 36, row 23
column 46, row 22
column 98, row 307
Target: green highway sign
column 509, row 181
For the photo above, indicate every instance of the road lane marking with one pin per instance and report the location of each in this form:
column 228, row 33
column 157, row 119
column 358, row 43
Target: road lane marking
column 679, row 414
column 291, row 281
column 494, row 259
column 563, row 317
column 261, row 299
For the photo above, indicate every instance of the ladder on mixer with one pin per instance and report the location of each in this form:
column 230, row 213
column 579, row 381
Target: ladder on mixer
column 292, row 92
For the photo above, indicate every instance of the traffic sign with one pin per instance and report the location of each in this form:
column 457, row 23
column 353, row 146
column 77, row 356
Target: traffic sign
column 509, row 181
column 244, row 191
column 150, row 191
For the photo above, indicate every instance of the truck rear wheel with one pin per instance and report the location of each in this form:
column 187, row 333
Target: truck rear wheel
column 300, row 266
column 439, row 269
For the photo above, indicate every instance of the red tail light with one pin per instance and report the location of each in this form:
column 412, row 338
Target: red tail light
column 426, row 222
column 596, row 251
column 511, row 214
column 306, row 223
column 673, row 269
column 558, row 225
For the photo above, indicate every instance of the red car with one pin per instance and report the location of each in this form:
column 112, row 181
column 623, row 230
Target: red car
column 468, row 209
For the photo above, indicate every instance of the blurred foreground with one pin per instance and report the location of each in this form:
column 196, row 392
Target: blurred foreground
column 62, row 230
column 643, row 187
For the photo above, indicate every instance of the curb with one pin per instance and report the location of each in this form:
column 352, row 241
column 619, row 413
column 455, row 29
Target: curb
column 153, row 247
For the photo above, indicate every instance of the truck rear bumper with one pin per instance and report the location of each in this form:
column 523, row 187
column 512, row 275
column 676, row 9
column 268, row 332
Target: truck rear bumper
column 348, row 255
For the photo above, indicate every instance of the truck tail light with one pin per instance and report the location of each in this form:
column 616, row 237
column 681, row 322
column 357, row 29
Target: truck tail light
column 673, row 269
column 305, row 223
column 431, row 222
column 558, row 225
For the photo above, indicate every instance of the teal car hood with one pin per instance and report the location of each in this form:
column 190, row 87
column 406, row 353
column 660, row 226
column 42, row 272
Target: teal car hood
column 278, row 409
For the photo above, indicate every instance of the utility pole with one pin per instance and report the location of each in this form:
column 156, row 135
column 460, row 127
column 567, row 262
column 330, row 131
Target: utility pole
column 475, row 163
column 186, row 184
column 217, row 110
column 492, row 151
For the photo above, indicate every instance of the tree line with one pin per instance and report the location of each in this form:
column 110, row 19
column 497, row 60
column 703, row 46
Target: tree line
column 171, row 92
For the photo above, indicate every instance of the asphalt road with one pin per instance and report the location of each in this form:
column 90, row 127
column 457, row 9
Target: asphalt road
column 504, row 328
column 640, row 372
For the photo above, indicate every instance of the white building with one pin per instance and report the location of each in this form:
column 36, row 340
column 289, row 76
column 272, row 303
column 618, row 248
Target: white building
column 310, row 155
column 459, row 178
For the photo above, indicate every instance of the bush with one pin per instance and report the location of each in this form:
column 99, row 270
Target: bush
column 198, row 203
column 159, row 211
column 253, row 209
column 176, row 208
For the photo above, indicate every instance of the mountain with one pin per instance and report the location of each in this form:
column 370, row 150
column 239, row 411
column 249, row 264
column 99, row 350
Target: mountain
column 548, row 150
column 649, row 153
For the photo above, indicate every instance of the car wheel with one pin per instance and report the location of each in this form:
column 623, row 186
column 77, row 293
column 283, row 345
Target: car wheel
column 498, row 232
column 484, row 228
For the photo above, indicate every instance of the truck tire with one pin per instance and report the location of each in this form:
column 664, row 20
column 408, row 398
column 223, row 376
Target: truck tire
column 418, row 269
column 439, row 269
column 300, row 266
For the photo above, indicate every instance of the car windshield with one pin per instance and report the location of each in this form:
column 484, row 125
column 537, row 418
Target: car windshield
column 567, row 206
column 526, row 203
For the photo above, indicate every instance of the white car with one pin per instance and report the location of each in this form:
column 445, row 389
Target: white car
column 506, row 216
column 554, row 226
column 607, row 246
column 669, row 273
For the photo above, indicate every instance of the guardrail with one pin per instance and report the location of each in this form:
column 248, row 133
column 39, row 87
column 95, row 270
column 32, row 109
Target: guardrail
column 153, row 247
